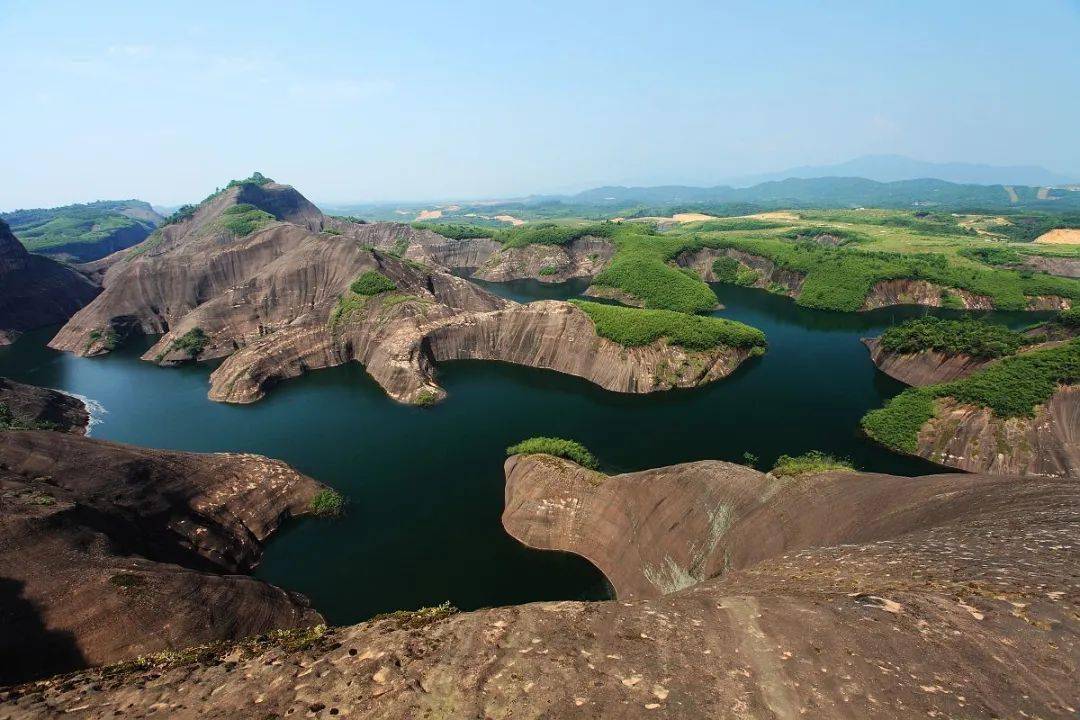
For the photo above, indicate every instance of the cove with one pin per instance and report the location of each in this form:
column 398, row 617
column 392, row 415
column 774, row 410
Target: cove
column 425, row 485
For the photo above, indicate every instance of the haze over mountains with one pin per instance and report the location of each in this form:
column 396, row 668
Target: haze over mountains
column 890, row 168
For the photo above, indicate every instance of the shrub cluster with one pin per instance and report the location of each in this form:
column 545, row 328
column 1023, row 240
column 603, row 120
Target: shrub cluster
column 953, row 337
column 555, row 446
column 243, row 219
column 193, row 342
column 326, row 503
column 809, row 463
column 633, row 327
column 372, row 282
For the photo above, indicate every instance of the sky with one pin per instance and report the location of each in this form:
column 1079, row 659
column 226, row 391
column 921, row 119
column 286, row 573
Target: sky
column 355, row 101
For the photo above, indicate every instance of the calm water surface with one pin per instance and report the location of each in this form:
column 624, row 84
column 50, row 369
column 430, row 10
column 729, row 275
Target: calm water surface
column 425, row 486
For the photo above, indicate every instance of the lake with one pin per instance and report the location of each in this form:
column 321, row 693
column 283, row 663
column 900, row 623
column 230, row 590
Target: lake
column 425, row 485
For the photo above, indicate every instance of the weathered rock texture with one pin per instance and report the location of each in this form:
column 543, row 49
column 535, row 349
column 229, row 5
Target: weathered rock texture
column 36, row 291
column 29, row 405
column 928, row 367
column 768, row 275
column 399, row 343
column 921, row 292
column 972, row 438
column 963, row 606
column 1063, row 266
column 267, row 303
column 583, row 257
column 111, row 551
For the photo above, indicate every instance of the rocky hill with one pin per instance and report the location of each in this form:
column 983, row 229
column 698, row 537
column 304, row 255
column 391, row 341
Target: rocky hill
column 257, row 275
column 109, row 551
column 36, row 291
column 841, row 595
column 84, row 232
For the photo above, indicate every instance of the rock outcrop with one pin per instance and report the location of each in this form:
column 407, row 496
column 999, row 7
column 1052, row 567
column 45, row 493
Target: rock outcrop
column 768, row 275
column 583, row 257
column 29, row 406
column 1061, row 266
column 36, row 291
column 399, row 340
column 109, row 551
column 962, row 605
column 972, row 438
column 921, row 292
column 928, row 367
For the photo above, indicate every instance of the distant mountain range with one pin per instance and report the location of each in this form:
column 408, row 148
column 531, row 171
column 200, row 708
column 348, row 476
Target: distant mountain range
column 890, row 168
column 834, row 192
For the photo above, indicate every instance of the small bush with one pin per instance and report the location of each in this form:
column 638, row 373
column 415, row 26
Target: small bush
column 193, row 342
column 555, row 446
column 1069, row 318
column 326, row 503
column 809, row 463
column 372, row 282
column 549, row 270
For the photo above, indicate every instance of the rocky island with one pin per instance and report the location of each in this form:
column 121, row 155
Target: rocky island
column 987, row 399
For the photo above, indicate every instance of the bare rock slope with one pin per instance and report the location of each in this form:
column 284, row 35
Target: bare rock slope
column 583, row 257
column 111, row 551
column 36, row 291
column 958, row 600
column 29, row 406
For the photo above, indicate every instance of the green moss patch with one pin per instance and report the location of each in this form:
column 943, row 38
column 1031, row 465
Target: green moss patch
column 372, row 282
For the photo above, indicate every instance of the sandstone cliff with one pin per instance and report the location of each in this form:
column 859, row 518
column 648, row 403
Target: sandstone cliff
column 972, row 438
column 29, row 406
column 928, row 367
column 963, row 605
column 400, row 339
column 583, row 257
column 111, row 551
column 36, row 291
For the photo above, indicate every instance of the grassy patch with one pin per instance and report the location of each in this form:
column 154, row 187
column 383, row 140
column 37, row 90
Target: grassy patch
column 809, row 463
column 372, row 282
column 326, row 503
column 416, row 619
column 550, row 234
column 633, row 327
column 1012, row 387
column 243, row 219
column 549, row 270
column 953, row 337
column 555, row 446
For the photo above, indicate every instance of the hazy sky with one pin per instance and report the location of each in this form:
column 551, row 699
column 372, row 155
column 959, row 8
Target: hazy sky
column 392, row 100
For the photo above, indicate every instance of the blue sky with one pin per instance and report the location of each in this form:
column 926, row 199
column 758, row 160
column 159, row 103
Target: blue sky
column 414, row 100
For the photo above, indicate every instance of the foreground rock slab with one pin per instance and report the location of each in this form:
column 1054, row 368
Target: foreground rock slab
column 111, row 551
column 30, row 406
column 969, row 613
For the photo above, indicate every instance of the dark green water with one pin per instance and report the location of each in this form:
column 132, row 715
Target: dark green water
column 425, row 485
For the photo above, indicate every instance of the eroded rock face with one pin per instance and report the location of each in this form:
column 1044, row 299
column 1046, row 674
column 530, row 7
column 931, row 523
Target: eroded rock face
column 111, row 551
column 969, row 612
column 971, row 438
column 658, row 531
column 36, row 291
column 1062, row 266
column 584, row 257
column 921, row 292
column 400, row 342
column 32, row 406
column 768, row 274
column 928, row 367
